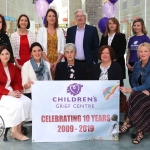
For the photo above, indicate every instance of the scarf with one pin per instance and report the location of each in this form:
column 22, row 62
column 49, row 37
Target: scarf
column 42, row 72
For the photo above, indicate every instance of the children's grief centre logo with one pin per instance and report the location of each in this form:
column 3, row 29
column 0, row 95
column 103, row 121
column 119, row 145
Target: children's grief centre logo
column 74, row 89
column 2, row 126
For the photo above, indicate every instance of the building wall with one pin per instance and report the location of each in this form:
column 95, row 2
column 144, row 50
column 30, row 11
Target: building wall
column 73, row 5
column 17, row 7
column 132, row 12
column 93, row 9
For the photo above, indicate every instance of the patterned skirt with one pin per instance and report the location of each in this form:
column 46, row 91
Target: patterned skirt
column 138, row 111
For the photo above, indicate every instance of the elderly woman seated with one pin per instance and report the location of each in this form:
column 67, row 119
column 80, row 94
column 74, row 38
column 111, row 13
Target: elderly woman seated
column 107, row 69
column 70, row 70
column 35, row 69
column 137, row 113
column 14, row 107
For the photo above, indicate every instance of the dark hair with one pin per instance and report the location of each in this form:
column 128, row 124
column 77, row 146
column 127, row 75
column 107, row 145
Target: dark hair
column 111, row 52
column 142, row 23
column 56, row 16
column 114, row 20
column 35, row 44
column 23, row 15
column 3, row 30
column 8, row 49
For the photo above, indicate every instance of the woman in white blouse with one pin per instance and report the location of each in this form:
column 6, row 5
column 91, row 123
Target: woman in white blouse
column 52, row 39
column 21, row 41
column 35, row 69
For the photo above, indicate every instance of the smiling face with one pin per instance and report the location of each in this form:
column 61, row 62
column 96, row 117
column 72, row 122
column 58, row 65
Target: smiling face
column 4, row 56
column 23, row 22
column 70, row 54
column 105, row 55
column 144, row 53
column 112, row 26
column 37, row 53
column 80, row 18
column 51, row 18
column 137, row 27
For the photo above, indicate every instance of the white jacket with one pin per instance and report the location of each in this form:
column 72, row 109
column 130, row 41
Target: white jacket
column 15, row 42
column 42, row 39
column 28, row 74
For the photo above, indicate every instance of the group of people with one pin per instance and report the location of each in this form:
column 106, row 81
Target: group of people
column 47, row 57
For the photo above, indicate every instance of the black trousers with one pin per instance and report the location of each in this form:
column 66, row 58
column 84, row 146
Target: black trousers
column 28, row 95
column 88, row 68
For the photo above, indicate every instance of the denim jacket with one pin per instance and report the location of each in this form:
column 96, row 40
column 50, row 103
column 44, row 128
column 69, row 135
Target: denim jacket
column 145, row 72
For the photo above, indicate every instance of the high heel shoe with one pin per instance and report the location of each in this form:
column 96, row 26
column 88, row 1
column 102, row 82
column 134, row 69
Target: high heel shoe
column 18, row 136
column 138, row 138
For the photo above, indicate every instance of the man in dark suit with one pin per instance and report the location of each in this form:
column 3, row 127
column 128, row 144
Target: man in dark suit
column 85, row 38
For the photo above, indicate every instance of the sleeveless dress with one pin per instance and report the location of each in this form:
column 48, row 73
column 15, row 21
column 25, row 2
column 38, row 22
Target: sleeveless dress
column 24, row 56
column 52, row 52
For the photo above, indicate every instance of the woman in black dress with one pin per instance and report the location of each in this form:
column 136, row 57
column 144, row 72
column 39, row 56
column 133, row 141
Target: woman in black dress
column 70, row 69
column 4, row 39
column 116, row 40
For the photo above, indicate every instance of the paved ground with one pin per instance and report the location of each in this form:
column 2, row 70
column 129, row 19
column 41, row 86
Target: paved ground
column 124, row 143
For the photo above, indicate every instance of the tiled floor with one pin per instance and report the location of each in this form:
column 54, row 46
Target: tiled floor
column 124, row 143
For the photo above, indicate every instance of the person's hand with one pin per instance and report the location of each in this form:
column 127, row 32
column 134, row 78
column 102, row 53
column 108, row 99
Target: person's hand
column 29, row 84
column 125, row 90
column 16, row 94
column 129, row 67
column 146, row 92
column 19, row 66
column 53, row 66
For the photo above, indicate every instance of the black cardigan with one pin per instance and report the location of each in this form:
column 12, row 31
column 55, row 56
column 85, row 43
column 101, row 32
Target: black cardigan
column 119, row 46
column 114, row 72
column 61, row 72
column 4, row 40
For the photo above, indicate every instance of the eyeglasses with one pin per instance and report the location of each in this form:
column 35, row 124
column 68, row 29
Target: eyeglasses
column 80, row 16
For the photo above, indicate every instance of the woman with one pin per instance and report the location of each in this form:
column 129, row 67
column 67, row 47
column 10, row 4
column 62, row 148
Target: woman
column 52, row 39
column 107, row 69
column 4, row 39
column 14, row 107
column 70, row 69
column 116, row 40
column 21, row 42
column 139, row 31
column 35, row 69
column 138, row 106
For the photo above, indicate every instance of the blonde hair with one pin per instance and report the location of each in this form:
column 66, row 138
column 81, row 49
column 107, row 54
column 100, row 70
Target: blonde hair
column 147, row 45
column 114, row 20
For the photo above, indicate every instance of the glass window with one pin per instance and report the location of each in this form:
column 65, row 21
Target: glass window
column 124, row 5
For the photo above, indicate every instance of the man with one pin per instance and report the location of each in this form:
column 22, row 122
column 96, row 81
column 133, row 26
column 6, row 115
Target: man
column 85, row 38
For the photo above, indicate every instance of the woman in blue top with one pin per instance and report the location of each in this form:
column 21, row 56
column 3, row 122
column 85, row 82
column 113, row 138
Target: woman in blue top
column 139, row 31
column 138, row 106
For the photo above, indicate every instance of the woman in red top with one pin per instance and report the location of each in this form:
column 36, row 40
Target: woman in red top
column 14, row 107
column 21, row 42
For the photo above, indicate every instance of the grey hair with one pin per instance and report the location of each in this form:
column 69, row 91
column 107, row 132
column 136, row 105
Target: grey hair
column 81, row 11
column 70, row 46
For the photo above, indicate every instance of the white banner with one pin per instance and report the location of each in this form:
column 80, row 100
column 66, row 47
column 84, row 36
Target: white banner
column 75, row 110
